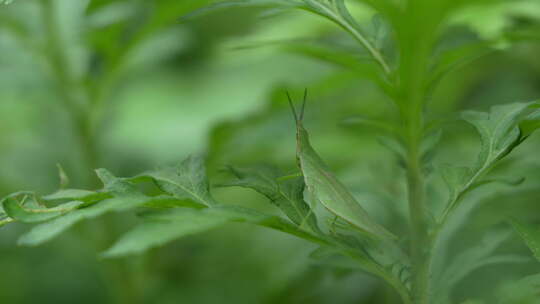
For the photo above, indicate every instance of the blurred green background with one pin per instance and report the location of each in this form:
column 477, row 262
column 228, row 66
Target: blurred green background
column 162, row 88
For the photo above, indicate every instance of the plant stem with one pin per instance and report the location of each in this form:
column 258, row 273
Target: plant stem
column 419, row 241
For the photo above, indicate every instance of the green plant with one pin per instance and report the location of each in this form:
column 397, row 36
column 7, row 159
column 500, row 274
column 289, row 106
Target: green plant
column 405, row 65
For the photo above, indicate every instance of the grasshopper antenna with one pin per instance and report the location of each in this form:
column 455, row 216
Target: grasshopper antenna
column 303, row 109
column 296, row 118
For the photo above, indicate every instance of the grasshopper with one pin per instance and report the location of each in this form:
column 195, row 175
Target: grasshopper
column 326, row 188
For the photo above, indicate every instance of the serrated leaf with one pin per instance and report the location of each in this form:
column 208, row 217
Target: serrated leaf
column 188, row 180
column 32, row 215
column 498, row 130
column 530, row 234
column 115, row 185
column 500, row 134
column 287, row 195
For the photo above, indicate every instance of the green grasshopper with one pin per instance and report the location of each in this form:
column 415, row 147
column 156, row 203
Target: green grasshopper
column 326, row 188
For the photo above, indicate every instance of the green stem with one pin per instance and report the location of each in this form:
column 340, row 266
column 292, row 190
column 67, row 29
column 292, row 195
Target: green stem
column 419, row 242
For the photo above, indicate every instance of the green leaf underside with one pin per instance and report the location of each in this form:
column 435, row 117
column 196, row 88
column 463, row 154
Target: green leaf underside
column 287, row 195
column 177, row 223
column 153, row 233
column 530, row 234
column 161, row 227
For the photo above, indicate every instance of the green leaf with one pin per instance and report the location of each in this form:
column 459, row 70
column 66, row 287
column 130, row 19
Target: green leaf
column 244, row 215
column 455, row 178
column 287, row 195
column 500, row 133
column 76, row 194
column 185, row 181
column 498, row 130
column 243, row 3
column 342, row 58
column 530, row 234
column 530, row 124
column 154, row 233
column 115, row 185
column 46, row 231
column 337, row 12
column 168, row 202
column 456, row 58
column 473, row 258
column 328, row 190
column 159, row 228
column 524, row 291
column 4, row 217
column 385, row 127
column 31, row 215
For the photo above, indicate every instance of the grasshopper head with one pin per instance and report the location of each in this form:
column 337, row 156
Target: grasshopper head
column 302, row 137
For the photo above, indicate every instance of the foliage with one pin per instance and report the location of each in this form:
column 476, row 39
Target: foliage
column 404, row 54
